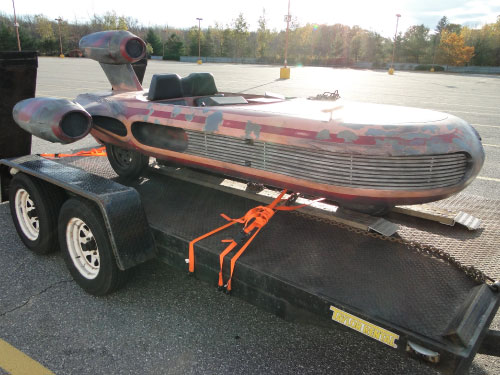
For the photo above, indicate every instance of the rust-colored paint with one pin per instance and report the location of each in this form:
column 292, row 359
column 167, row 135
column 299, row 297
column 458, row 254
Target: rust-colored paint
column 306, row 127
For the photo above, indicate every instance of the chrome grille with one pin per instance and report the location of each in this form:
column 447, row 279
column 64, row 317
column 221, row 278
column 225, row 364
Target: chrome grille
column 359, row 171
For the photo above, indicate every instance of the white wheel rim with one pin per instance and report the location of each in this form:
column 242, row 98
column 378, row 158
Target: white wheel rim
column 27, row 215
column 82, row 248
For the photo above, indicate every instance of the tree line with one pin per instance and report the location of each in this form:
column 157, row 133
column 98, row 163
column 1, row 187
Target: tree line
column 309, row 44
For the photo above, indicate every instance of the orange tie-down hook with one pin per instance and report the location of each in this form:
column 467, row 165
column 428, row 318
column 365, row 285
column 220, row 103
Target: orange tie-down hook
column 101, row 151
column 253, row 221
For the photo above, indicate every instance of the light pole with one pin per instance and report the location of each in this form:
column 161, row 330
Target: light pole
column 199, row 39
column 59, row 20
column 434, row 52
column 16, row 25
column 288, row 19
column 391, row 69
column 164, row 41
column 285, row 71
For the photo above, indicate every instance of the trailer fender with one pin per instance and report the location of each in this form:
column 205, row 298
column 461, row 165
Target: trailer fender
column 121, row 208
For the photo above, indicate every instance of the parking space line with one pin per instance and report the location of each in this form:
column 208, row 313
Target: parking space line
column 469, row 112
column 53, row 96
column 486, row 126
column 488, row 178
column 15, row 362
column 490, row 145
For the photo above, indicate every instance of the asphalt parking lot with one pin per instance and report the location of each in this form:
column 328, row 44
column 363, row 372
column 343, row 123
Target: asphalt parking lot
column 164, row 322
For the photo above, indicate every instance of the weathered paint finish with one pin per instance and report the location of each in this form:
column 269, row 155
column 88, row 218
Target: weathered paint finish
column 340, row 127
column 213, row 121
column 443, row 134
column 252, row 130
column 115, row 51
column 43, row 117
column 110, row 47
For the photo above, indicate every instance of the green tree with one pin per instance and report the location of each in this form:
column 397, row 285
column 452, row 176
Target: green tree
column 173, row 48
column 122, row 23
column 44, row 27
column 356, row 47
column 240, row 35
column 110, row 21
column 48, row 42
column 375, row 48
column 454, row 28
column 442, row 25
column 218, row 39
column 208, row 46
column 263, row 36
column 155, row 42
column 8, row 41
column 300, row 44
column 416, row 42
column 228, row 43
column 192, row 43
column 486, row 43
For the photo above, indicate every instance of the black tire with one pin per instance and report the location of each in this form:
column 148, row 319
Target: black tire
column 46, row 200
column 126, row 163
column 108, row 276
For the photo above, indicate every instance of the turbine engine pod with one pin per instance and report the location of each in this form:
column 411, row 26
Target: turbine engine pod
column 113, row 47
column 55, row 120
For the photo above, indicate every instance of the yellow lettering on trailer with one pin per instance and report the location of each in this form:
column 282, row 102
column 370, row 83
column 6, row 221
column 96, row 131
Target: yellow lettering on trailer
column 364, row 327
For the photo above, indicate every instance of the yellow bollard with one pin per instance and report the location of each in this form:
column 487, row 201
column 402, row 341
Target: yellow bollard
column 199, row 62
column 61, row 56
column 432, row 69
column 391, row 71
column 284, row 73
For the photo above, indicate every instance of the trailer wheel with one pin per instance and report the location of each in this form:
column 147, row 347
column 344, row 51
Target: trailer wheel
column 126, row 163
column 34, row 205
column 87, row 250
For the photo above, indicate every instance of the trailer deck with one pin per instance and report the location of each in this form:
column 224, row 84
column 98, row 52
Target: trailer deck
column 313, row 270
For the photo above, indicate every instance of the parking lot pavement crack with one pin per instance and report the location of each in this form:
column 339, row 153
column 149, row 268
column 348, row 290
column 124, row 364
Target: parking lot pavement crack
column 53, row 285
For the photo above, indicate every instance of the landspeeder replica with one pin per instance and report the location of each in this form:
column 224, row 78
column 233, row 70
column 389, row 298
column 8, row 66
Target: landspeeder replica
column 362, row 156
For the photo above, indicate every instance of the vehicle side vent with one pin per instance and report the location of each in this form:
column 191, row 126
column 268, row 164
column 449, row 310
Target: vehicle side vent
column 110, row 124
column 416, row 172
column 160, row 136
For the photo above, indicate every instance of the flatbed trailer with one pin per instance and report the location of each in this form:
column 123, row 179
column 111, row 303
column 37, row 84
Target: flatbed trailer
column 300, row 267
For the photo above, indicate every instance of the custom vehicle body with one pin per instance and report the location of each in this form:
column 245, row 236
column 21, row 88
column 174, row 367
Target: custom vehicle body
column 363, row 156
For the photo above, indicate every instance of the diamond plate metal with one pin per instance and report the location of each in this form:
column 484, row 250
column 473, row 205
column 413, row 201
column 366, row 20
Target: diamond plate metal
column 385, row 280
column 479, row 248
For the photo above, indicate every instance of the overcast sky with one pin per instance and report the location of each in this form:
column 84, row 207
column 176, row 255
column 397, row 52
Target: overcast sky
column 379, row 16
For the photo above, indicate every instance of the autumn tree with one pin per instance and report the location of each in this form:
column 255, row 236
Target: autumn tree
column 486, row 43
column 46, row 35
column 453, row 51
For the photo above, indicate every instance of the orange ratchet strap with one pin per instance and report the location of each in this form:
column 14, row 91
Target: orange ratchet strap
column 101, row 151
column 253, row 221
